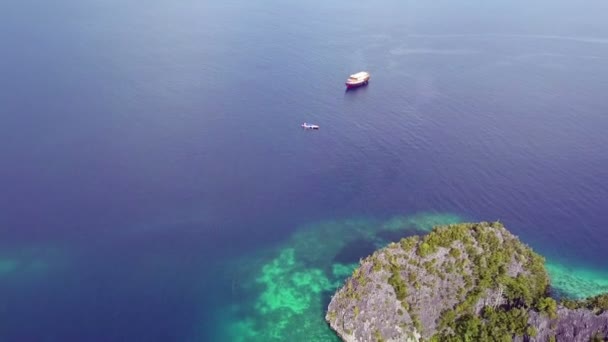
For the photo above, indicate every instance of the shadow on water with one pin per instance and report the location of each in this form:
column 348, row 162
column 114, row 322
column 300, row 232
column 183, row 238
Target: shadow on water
column 396, row 235
column 362, row 247
column 352, row 91
column 558, row 294
column 352, row 252
column 325, row 299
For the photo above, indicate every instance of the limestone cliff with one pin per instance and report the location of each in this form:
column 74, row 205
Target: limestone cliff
column 465, row 282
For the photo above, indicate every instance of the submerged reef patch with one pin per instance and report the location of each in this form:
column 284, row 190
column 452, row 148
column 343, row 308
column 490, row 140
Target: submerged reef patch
column 24, row 262
column 576, row 282
column 282, row 294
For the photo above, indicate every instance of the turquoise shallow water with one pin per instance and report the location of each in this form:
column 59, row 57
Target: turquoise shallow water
column 156, row 184
column 282, row 294
column 288, row 289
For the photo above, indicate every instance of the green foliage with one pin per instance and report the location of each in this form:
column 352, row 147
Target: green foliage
column 409, row 243
column 481, row 255
column 470, row 250
column 597, row 337
column 469, row 328
column 518, row 290
column 455, row 252
column 447, row 317
column 597, row 304
column 488, row 258
column 398, row 284
column 416, row 322
column 412, row 278
column 424, row 249
column 571, row 304
column 493, row 324
column 548, row 306
column 378, row 336
column 429, row 266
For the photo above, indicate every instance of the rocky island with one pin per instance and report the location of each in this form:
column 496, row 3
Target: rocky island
column 462, row 282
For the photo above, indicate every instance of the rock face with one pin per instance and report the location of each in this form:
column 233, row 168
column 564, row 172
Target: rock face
column 579, row 325
column 474, row 280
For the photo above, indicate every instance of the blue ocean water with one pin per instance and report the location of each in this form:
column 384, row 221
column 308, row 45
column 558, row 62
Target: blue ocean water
column 155, row 181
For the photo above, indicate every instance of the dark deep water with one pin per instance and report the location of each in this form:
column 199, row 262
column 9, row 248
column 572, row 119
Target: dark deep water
column 156, row 185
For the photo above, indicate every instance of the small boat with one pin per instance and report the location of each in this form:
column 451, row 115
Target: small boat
column 358, row 79
column 309, row 126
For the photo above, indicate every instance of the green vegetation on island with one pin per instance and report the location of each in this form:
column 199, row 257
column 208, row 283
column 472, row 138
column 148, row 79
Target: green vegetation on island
column 597, row 304
column 462, row 282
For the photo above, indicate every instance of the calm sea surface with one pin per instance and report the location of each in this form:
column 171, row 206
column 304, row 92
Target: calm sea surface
column 155, row 184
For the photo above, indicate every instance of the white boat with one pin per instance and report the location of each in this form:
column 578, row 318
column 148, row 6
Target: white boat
column 309, row 126
column 358, row 79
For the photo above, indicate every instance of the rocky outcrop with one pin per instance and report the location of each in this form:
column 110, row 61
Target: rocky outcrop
column 476, row 280
column 578, row 325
